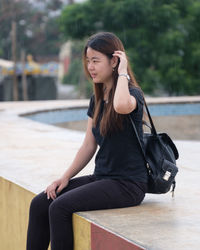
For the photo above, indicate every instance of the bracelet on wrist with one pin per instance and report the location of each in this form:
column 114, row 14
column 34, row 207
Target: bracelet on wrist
column 125, row 75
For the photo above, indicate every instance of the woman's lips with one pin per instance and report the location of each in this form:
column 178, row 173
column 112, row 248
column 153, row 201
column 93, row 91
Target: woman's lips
column 93, row 75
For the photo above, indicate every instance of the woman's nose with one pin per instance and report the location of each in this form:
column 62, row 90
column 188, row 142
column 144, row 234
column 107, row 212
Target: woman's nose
column 90, row 66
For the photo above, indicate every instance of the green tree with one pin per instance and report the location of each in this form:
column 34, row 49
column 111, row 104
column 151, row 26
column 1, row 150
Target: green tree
column 37, row 28
column 161, row 37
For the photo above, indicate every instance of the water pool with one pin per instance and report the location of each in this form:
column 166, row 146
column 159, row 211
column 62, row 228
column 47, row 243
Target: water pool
column 79, row 114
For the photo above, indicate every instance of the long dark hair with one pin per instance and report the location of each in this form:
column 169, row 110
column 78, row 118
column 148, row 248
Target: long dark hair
column 107, row 43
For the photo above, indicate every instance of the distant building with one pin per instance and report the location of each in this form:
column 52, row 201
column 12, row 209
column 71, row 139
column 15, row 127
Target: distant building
column 64, row 56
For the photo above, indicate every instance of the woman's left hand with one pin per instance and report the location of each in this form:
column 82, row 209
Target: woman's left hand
column 122, row 69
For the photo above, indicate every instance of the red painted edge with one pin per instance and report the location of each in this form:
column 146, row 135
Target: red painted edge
column 102, row 239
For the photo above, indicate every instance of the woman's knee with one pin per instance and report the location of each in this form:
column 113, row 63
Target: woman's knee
column 39, row 204
column 59, row 209
column 55, row 208
column 54, row 211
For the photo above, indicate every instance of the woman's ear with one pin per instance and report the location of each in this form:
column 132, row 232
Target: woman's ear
column 114, row 61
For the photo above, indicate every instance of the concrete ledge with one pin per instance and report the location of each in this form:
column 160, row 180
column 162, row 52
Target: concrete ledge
column 32, row 155
column 14, row 210
column 89, row 235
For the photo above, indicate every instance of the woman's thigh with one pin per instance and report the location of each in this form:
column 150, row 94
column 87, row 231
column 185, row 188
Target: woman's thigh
column 40, row 204
column 99, row 194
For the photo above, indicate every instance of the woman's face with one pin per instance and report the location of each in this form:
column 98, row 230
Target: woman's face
column 99, row 66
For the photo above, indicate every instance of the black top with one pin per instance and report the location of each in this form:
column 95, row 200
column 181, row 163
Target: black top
column 119, row 155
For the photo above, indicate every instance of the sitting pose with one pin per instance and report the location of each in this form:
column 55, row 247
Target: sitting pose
column 120, row 176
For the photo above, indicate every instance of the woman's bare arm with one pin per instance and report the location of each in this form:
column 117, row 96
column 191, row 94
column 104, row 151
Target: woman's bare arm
column 123, row 102
column 83, row 156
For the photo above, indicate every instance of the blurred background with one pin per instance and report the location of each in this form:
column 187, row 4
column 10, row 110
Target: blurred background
column 41, row 44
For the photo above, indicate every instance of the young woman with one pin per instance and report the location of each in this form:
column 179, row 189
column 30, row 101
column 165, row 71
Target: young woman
column 120, row 175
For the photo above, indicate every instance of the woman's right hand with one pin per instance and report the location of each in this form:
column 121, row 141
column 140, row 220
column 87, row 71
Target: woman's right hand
column 56, row 187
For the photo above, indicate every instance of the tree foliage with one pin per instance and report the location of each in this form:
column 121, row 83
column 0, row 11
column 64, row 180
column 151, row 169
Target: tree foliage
column 161, row 37
column 37, row 27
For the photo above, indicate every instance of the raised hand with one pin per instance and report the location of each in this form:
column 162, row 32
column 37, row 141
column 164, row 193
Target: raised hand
column 122, row 69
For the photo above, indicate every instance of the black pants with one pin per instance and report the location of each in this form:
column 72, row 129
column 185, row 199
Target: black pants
column 52, row 220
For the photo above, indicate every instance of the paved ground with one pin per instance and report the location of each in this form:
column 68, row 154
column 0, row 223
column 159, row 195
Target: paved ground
column 178, row 127
column 34, row 154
